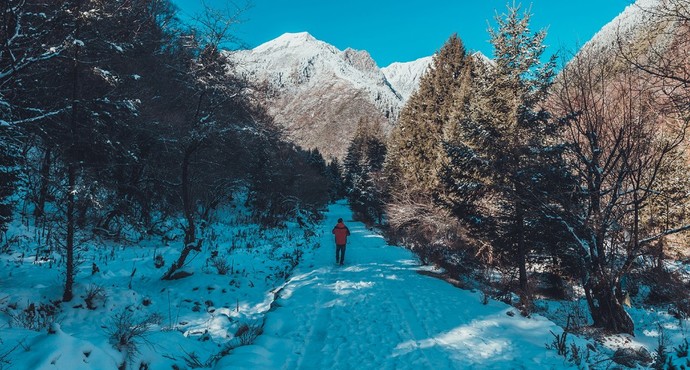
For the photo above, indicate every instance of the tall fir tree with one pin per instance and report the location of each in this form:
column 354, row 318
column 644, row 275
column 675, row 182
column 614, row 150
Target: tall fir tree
column 363, row 166
column 334, row 174
column 503, row 150
column 416, row 154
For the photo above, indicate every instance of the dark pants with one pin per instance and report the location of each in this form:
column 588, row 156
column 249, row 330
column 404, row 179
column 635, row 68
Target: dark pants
column 340, row 254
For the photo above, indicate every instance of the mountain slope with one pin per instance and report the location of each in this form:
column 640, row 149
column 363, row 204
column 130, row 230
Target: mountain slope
column 318, row 92
column 636, row 29
column 404, row 77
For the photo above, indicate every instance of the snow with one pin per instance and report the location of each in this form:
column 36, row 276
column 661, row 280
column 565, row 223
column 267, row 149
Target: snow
column 117, row 47
column 375, row 312
column 405, row 77
column 297, row 61
column 200, row 314
column 634, row 20
column 378, row 312
column 289, row 40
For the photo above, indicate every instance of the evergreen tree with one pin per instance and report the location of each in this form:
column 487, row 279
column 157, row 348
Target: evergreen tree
column 362, row 167
column 502, row 152
column 416, row 154
column 32, row 33
column 334, row 173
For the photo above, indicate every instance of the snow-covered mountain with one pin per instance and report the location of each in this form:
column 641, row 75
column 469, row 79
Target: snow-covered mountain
column 320, row 93
column 404, row 77
column 631, row 26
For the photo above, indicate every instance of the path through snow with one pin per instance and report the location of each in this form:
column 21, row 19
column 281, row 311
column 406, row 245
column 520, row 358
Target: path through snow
column 377, row 312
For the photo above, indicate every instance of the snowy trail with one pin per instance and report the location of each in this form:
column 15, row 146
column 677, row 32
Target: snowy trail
column 377, row 312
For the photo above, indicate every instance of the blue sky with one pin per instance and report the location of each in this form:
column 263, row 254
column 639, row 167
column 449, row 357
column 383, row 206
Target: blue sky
column 405, row 30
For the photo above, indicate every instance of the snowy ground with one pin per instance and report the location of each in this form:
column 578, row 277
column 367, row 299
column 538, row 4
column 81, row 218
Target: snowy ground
column 376, row 312
column 196, row 317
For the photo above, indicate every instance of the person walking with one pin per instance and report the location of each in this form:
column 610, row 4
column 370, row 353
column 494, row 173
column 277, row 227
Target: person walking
column 341, row 233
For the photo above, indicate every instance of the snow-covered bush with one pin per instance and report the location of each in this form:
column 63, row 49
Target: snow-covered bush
column 221, row 265
column 95, row 296
column 246, row 334
column 126, row 331
column 34, row 317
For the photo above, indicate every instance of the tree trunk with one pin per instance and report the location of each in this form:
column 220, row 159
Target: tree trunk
column 69, row 268
column 72, row 170
column 43, row 191
column 190, row 230
column 521, row 250
column 170, row 274
column 607, row 311
column 187, row 203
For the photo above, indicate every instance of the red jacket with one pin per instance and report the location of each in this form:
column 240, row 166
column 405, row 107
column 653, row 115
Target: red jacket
column 341, row 232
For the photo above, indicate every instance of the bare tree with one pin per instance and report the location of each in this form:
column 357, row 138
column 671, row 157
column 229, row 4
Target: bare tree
column 29, row 35
column 214, row 105
column 620, row 140
column 665, row 51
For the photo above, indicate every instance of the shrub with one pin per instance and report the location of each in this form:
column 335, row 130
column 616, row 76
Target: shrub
column 125, row 331
column 222, row 266
column 682, row 349
column 559, row 343
column 33, row 317
column 95, row 295
column 192, row 360
column 247, row 334
column 661, row 354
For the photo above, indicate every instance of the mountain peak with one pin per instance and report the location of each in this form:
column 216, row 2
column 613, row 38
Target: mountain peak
column 360, row 59
column 404, row 77
column 319, row 92
column 296, row 36
column 288, row 40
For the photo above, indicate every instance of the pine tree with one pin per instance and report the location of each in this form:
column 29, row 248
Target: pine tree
column 416, row 154
column 334, row 174
column 502, row 149
column 362, row 171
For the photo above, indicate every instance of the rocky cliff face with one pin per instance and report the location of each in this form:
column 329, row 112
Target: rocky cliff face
column 320, row 93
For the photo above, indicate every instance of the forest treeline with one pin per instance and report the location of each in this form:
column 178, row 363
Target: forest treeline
column 115, row 117
column 549, row 180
